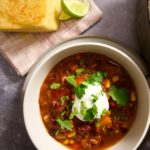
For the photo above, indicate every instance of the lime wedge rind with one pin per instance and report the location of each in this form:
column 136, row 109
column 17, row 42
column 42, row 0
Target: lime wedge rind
column 75, row 8
column 64, row 16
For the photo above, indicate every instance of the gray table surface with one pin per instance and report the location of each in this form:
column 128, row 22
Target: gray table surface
column 118, row 23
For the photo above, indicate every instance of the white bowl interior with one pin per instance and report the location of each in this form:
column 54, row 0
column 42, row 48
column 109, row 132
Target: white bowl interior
column 32, row 117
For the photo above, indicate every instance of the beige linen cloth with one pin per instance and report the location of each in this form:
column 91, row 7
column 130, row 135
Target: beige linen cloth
column 21, row 50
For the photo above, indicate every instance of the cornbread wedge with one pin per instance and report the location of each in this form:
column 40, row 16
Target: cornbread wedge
column 29, row 15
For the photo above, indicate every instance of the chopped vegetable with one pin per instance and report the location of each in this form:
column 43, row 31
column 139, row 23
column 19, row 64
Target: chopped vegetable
column 65, row 124
column 105, row 121
column 107, row 83
column 66, row 141
column 71, row 80
column 102, row 92
column 63, row 113
column 95, row 97
column 104, row 112
column 55, row 86
column 83, row 104
column 119, row 94
column 57, row 132
column 115, row 78
column 90, row 113
column 75, row 110
column 71, row 134
column 80, row 90
column 72, row 115
column 79, row 71
column 97, row 77
column 63, row 99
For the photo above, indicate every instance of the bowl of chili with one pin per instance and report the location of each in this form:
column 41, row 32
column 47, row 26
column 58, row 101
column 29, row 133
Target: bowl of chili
column 86, row 93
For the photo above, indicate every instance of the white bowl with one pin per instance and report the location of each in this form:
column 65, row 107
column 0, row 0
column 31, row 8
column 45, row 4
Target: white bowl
column 32, row 117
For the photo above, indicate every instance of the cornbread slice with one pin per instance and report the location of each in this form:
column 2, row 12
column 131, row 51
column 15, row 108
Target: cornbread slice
column 29, row 15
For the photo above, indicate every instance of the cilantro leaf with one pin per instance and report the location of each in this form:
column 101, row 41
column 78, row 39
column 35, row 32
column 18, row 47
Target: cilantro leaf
column 83, row 104
column 95, row 97
column 104, row 112
column 119, row 94
column 80, row 90
column 90, row 113
column 72, row 115
column 71, row 80
column 65, row 124
column 97, row 77
column 79, row 71
column 55, row 86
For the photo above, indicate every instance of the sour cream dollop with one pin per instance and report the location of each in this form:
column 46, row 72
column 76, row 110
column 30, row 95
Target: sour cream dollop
column 94, row 96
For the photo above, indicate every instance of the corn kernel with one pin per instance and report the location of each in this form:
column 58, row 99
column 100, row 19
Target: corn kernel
column 71, row 134
column 71, row 141
column 107, row 83
column 108, row 112
column 115, row 78
column 133, row 96
column 66, row 142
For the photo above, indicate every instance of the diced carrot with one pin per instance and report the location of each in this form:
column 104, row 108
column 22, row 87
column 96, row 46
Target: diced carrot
column 79, row 79
column 105, row 121
column 74, row 67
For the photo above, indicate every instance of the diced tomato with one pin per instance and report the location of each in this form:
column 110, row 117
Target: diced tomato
column 79, row 79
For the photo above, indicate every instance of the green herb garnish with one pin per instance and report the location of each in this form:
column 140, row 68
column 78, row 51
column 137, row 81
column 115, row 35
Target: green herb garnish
column 75, row 110
column 119, row 94
column 63, row 99
column 65, row 124
column 90, row 113
column 102, row 93
column 71, row 80
column 63, row 113
column 55, row 86
column 57, row 132
column 72, row 115
column 97, row 77
column 79, row 71
column 104, row 112
column 95, row 97
column 80, row 90
column 83, row 105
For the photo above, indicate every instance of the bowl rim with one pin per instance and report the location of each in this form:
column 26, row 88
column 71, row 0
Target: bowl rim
column 131, row 54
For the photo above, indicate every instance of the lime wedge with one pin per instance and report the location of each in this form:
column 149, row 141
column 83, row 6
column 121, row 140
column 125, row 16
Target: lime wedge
column 64, row 16
column 75, row 8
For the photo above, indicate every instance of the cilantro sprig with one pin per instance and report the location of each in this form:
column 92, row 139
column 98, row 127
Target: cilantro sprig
column 65, row 124
column 71, row 79
column 119, row 94
column 97, row 77
column 90, row 113
column 80, row 90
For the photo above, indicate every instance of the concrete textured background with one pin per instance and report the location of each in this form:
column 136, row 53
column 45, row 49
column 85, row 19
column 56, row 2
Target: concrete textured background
column 118, row 23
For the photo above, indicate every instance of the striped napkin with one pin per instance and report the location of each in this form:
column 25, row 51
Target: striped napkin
column 21, row 50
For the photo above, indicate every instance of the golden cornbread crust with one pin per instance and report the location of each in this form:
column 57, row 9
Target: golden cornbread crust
column 29, row 15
